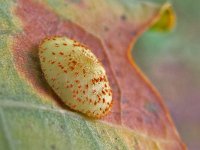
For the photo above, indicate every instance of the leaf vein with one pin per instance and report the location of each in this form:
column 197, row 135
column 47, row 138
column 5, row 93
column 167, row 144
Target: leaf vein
column 6, row 131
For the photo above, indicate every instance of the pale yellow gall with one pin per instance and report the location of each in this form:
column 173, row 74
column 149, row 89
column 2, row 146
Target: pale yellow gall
column 76, row 76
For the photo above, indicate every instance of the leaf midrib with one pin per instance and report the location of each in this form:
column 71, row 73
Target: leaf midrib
column 16, row 104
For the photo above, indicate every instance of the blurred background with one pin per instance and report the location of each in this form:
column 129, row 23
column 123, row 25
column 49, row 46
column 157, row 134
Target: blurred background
column 172, row 62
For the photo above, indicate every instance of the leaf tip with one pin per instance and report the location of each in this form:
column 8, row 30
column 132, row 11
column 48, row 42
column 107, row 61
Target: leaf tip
column 166, row 20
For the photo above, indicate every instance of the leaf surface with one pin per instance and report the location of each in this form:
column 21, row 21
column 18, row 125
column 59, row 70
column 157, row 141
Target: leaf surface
column 33, row 117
